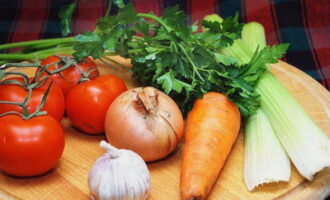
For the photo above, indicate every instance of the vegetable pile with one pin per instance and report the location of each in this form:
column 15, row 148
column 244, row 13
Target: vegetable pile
column 173, row 56
column 219, row 77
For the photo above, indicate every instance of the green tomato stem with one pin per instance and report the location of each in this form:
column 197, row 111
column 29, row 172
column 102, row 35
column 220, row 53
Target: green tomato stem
column 8, row 65
column 11, row 113
column 23, row 75
column 24, row 105
column 11, row 103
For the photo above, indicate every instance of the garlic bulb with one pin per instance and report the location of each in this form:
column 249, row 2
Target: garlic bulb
column 119, row 174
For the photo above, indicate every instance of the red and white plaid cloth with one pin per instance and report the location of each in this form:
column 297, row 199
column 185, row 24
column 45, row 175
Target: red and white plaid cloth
column 305, row 24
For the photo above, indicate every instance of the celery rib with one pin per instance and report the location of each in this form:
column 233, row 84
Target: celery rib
column 265, row 160
column 304, row 141
column 37, row 42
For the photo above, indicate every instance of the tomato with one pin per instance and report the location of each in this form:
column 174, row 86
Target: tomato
column 69, row 77
column 30, row 147
column 55, row 103
column 87, row 103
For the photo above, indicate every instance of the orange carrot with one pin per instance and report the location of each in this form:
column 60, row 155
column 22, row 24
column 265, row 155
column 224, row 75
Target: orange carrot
column 211, row 130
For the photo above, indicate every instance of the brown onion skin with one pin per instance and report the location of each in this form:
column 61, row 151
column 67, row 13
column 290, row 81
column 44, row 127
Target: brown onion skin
column 144, row 120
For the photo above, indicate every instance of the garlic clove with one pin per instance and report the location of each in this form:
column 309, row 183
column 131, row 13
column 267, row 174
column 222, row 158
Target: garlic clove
column 119, row 175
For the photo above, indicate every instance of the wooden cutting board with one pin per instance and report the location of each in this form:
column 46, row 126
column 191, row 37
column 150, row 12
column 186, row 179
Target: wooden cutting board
column 69, row 179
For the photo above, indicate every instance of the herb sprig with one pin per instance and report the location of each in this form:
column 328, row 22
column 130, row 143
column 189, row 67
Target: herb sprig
column 170, row 55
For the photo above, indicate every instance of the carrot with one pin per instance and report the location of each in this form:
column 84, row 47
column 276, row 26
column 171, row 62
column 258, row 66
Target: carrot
column 212, row 128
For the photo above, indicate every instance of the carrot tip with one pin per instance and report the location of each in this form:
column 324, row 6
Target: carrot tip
column 193, row 198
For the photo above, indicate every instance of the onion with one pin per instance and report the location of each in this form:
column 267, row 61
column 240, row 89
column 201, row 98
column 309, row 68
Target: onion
column 146, row 121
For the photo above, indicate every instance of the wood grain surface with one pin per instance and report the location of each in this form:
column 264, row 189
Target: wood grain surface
column 69, row 179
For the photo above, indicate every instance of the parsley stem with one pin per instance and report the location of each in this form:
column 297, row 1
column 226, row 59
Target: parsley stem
column 107, row 63
column 134, row 51
column 118, row 63
column 137, row 37
column 157, row 19
column 108, row 9
column 195, row 70
column 110, row 53
column 37, row 42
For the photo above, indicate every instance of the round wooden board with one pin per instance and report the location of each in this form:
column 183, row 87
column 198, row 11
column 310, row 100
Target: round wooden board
column 69, row 179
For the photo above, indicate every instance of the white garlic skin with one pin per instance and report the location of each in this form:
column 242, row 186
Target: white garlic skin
column 125, row 177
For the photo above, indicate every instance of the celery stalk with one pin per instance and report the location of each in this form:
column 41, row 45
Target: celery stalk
column 240, row 51
column 212, row 18
column 305, row 143
column 307, row 146
column 265, row 160
column 268, row 162
column 253, row 35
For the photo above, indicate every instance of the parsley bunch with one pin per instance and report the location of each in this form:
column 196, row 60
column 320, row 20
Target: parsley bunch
column 170, row 55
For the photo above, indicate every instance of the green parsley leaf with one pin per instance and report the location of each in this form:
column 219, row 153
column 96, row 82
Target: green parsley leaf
column 213, row 26
column 224, row 59
column 166, row 81
column 174, row 59
column 104, row 23
column 127, row 14
column 87, row 37
column 89, row 44
column 183, row 69
column 143, row 27
column 65, row 16
column 111, row 41
column 257, row 65
column 119, row 3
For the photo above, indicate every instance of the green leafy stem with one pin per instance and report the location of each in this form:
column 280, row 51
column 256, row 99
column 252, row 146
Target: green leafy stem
column 40, row 49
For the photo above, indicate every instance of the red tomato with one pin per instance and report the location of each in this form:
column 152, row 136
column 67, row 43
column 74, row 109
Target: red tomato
column 30, row 147
column 87, row 103
column 68, row 78
column 55, row 103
